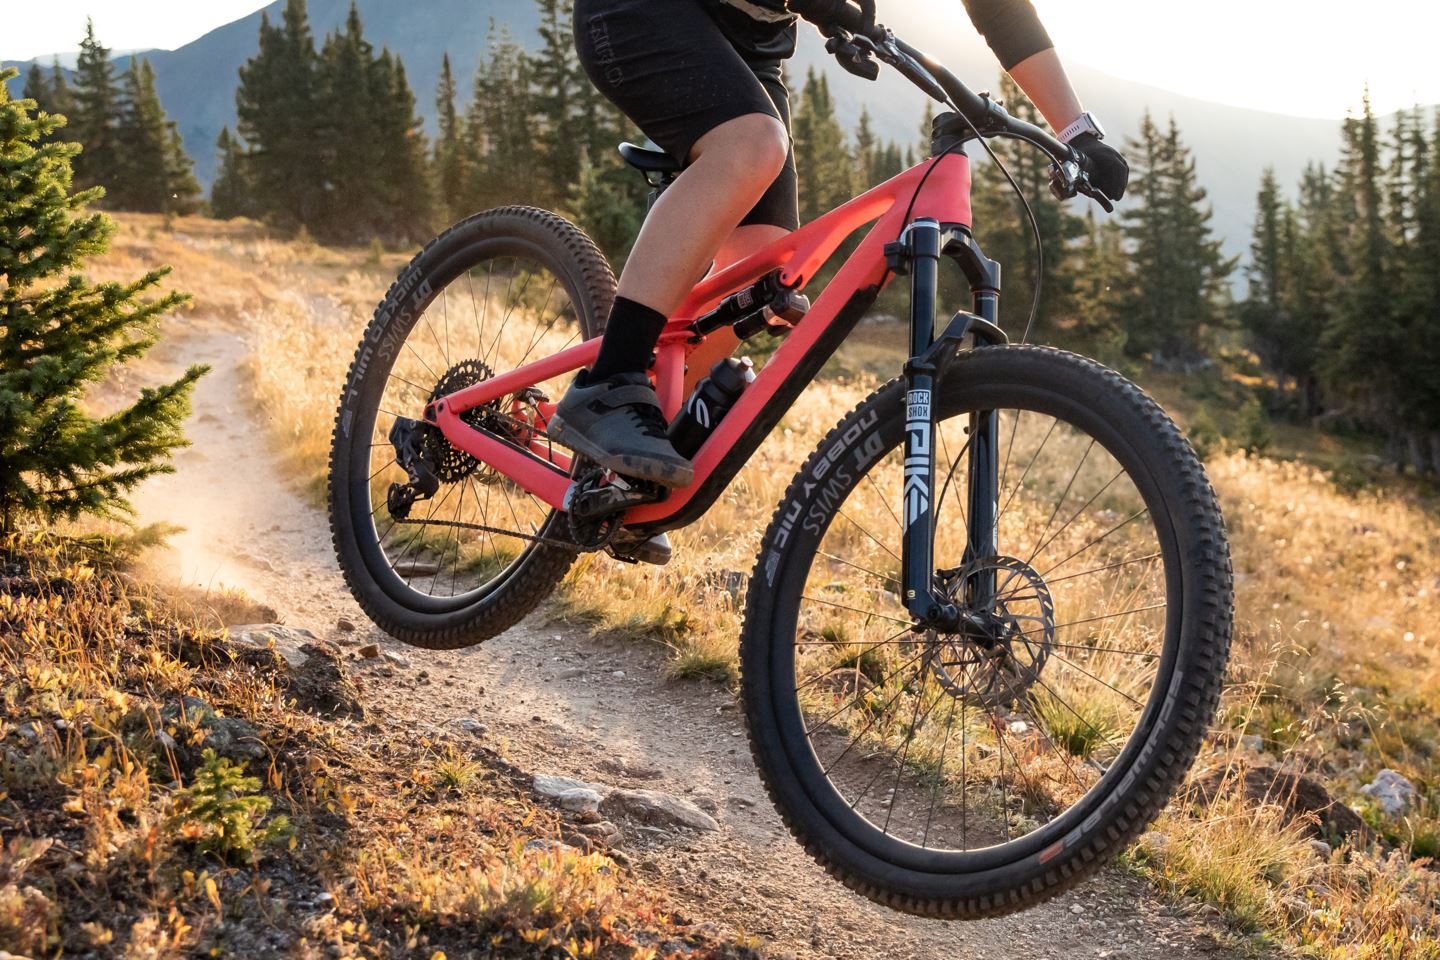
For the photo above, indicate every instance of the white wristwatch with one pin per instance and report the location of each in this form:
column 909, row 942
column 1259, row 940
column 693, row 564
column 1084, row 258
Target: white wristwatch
column 1085, row 123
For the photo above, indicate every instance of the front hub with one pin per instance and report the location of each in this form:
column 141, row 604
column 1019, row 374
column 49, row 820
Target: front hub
column 997, row 654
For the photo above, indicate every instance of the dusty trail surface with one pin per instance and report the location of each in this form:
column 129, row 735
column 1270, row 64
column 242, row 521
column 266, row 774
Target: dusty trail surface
column 555, row 700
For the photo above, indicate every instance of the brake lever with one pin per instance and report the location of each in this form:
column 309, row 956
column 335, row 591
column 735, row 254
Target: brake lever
column 1068, row 179
column 852, row 56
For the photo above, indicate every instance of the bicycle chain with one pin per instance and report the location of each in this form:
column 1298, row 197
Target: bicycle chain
column 484, row 528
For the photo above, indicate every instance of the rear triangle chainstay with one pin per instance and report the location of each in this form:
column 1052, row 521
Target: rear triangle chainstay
column 918, row 253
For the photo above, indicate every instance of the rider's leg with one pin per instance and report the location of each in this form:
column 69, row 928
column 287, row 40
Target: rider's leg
column 675, row 71
column 730, row 169
column 748, row 239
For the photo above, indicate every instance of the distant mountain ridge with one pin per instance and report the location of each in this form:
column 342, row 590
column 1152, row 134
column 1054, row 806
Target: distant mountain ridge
column 1232, row 145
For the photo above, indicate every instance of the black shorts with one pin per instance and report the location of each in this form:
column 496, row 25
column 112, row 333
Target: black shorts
column 670, row 68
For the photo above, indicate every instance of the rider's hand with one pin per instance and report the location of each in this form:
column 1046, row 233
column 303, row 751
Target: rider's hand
column 1107, row 169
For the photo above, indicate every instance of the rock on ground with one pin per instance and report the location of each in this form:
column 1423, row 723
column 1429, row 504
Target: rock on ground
column 1392, row 792
column 1300, row 796
column 289, row 642
column 646, row 806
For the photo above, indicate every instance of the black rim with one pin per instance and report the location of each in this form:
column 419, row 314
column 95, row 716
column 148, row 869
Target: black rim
column 493, row 307
column 936, row 753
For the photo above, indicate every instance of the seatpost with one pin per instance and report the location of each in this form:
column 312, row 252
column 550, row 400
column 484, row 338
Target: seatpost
column 920, row 248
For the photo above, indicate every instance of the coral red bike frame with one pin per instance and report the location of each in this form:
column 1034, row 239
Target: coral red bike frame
column 936, row 190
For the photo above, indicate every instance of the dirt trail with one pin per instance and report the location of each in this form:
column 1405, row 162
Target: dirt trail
column 557, row 701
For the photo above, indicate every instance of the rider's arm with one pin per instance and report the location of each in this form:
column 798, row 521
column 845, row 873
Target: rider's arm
column 1022, row 45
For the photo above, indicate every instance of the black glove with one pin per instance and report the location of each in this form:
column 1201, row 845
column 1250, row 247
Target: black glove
column 1107, row 169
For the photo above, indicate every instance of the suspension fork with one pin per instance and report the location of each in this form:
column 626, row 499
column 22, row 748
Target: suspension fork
column 918, row 252
column 984, row 482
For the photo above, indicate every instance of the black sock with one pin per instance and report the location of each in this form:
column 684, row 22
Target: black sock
column 630, row 339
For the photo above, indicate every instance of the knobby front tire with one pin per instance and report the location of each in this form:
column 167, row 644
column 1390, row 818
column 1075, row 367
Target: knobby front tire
column 975, row 775
column 498, row 289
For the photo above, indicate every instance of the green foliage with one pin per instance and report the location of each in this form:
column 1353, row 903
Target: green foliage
column 60, row 334
column 232, row 194
column 371, row 150
column 1344, row 302
column 95, row 112
column 221, row 815
column 154, row 173
column 1253, row 427
column 449, row 158
column 821, row 151
column 278, row 111
column 1204, row 435
column 1177, row 291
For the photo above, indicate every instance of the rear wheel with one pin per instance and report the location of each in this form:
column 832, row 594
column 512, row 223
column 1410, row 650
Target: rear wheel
column 977, row 773
column 499, row 289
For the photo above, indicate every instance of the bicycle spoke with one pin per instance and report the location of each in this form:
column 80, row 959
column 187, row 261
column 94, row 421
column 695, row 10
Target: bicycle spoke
column 867, row 613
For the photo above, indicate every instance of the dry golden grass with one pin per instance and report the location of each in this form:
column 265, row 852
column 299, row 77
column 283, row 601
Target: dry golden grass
column 120, row 839
column 1334, row 664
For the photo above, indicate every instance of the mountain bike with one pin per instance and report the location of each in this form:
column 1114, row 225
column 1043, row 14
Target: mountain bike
column 987, row 625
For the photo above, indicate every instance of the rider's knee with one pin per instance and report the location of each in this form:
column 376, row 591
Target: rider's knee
column 758, row 142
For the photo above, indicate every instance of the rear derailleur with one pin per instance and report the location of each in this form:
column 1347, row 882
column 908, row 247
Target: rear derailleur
column 418, row 454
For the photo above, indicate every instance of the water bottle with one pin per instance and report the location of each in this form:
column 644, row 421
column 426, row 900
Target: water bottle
column 712, row 399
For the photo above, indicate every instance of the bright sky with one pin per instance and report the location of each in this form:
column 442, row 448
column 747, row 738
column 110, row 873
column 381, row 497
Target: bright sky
column 1306, row 57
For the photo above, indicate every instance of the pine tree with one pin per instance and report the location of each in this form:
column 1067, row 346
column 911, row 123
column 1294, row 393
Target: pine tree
column 867, row 152
column 450, row 155
column 498, row 128
column 1423, row 342
column 821, row 153
column 183, row 190
column 402, row 178
column 95, row 113
column 231, row 194
column 62, row 99
column 37, row 88
column 51, row 94
column 605, row 204
column 58, row 334
column 1417, row 297
column 154, row 173
column 1177, row 296
column 278, row 115
column 1313, row 280
column 555, row 72
column 350, row 147
column 1093, row 325
column 1362, row 339
column 1280, row 333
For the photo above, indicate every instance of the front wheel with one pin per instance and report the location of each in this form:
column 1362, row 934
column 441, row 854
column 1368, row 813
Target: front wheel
column 977, row 773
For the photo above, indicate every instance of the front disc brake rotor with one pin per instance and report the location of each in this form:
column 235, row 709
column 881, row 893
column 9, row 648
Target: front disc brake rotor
column 995, row 666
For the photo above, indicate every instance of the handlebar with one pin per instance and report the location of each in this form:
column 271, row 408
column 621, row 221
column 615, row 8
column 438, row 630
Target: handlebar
column 855, row 37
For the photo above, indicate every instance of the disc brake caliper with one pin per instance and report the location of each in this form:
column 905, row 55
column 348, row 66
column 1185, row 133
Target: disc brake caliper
column 414, row 443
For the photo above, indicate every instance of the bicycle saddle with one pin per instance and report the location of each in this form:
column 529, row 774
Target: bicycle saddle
column 648, row 160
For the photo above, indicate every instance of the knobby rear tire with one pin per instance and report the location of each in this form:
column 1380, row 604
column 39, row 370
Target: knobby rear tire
column 578, row 263
column 1174, row 734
